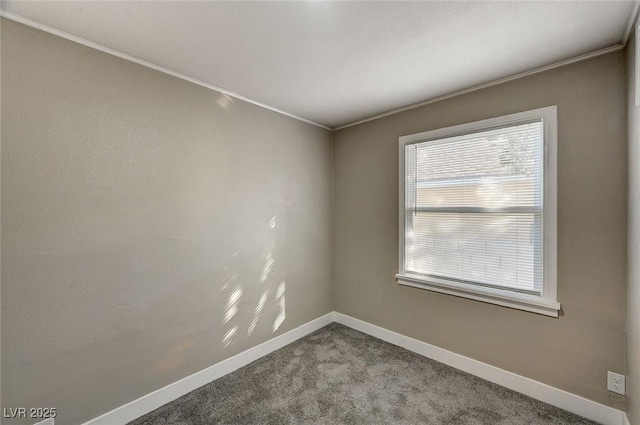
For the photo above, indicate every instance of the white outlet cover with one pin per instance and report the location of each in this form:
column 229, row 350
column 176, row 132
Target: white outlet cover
column 616, row 382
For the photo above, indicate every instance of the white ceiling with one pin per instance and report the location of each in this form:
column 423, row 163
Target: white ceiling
column 339, row 62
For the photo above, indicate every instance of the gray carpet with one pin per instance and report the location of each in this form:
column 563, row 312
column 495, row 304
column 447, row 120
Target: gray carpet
column 337, row 375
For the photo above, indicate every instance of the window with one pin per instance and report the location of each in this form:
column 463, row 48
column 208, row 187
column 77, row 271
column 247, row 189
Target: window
column 478, row 210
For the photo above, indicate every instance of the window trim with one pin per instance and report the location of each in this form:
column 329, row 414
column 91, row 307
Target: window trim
column 546, row 303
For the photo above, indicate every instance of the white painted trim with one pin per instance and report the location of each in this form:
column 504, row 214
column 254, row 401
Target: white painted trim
column 534, row 389
column 49, row 421
column 626, row 420
column 531, row 303
column 543, row 392
column 546, row 303
column 632, row 20
column 486, row 85
column 162, row 396
column 125, row 56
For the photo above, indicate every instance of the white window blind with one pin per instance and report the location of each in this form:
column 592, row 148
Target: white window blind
column 474, row 208
column 478, row 215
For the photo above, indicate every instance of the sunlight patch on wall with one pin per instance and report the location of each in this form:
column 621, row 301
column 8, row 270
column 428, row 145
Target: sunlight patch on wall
column 281, row 302
column 231, row 309
column 232, row 279
column 224, row 101
column 269, row 283
column 228, row 336
column 234, row 293
column 256, row 316
column 266, row 269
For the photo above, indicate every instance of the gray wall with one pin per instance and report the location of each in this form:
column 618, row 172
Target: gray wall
column 135, row 208
column 633, row 240
column 572, row 352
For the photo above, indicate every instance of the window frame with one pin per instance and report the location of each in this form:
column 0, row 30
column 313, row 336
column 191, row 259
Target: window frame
column 546, row 303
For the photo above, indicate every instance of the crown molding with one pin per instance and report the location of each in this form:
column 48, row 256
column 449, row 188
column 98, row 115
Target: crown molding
column 632, row 20
column 487, row 84
column 37, row 25
column 54, row 31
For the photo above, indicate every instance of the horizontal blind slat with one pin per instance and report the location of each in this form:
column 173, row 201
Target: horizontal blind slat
column 474, row 207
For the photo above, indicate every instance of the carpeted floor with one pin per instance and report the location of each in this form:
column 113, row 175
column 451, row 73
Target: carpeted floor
column 337, row 375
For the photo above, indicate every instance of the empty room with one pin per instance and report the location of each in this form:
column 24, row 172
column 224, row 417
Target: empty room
column 319, row 212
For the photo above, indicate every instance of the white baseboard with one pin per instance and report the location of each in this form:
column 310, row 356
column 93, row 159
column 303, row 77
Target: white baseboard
column 543, row 392
column 534, row 389
column 152, row 401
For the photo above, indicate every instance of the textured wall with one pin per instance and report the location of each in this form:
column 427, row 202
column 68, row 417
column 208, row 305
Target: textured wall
column 572, row 352
column 633, row 239
column 151, row 227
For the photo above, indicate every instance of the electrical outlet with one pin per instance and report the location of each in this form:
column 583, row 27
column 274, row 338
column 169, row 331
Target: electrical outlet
column 616, row 382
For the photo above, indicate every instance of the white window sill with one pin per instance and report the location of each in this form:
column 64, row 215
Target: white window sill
column 515, row 300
